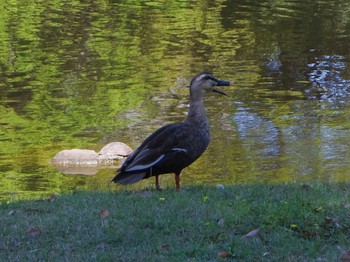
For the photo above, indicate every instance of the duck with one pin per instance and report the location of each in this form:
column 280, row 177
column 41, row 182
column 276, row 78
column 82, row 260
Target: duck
column 174, row 146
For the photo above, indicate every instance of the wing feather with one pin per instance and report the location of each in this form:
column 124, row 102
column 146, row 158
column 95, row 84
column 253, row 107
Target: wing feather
column 157, row 144
column 167, row 145
column 128, row 178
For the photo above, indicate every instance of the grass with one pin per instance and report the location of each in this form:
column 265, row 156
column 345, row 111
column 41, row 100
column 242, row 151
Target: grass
column 238, row 223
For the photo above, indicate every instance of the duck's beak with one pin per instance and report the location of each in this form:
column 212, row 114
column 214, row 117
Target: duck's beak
column 221, row 83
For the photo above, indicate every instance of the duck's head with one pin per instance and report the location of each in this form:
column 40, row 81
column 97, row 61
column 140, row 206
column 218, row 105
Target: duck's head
column 206, row 81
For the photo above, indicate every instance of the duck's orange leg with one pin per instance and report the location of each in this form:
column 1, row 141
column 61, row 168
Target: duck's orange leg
column 177, row 181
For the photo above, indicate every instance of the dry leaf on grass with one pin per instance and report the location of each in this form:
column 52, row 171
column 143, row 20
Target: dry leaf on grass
column 253, row 233
column 310, row 234
column 52, row 197
column 166, row 247
column 224, row 254
column 330, row 219
column 104, row 213
column 34, row 231
column 221, row 221
column 305, row 186
column 345, row 256
column 11, row 212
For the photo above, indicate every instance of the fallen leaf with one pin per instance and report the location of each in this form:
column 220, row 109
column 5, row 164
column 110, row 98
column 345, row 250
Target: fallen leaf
column 334, row 220
column 305, row 186
column 293, row 226
column 52, row 197
column 318, row 209
column 345, row 256
column 253, row 233
column 29, row 210
column 224, row 254
column 220, row 186
column 166, row 247
column 221, row 221
column 310, row 234
column 104, row 213
column 11, row 212
column 34, row 231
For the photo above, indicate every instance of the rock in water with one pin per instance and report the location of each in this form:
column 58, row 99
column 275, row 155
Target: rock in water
column 88, row 162
column 76, row 157
column 113, row 151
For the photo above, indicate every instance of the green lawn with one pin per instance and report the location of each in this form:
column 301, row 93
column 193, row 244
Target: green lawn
column 287, row 222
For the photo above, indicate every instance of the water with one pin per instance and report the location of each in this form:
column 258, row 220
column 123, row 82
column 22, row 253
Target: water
column 81, row 74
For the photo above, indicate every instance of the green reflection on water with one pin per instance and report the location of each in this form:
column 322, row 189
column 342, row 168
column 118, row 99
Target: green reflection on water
column 80, row 74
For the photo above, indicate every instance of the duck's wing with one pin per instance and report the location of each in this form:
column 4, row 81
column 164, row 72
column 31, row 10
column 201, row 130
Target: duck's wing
column 165, row 143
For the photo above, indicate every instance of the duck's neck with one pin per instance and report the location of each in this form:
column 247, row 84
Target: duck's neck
column 196, row 113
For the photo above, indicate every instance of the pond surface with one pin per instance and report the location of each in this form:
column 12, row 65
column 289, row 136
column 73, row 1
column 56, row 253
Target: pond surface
column 81, row 74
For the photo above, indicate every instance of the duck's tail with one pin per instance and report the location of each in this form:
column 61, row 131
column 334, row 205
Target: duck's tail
column 128, row 178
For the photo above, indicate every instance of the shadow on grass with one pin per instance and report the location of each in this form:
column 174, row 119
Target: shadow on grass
column 288, row 222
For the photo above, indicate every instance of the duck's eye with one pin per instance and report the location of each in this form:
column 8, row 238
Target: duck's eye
column 207, row 77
